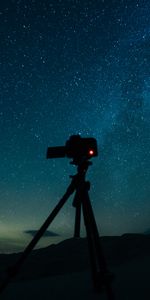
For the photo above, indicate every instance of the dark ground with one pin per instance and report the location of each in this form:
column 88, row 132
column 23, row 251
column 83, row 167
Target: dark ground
column 63, row 270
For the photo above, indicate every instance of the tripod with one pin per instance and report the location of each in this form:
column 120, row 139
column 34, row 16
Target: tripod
column 101, row 277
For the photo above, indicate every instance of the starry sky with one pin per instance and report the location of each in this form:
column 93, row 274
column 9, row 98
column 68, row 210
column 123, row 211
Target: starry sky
column 73, row 67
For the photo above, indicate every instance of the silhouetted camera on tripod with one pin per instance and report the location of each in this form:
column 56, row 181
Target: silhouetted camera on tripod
column 76, row 147
column 80, row 150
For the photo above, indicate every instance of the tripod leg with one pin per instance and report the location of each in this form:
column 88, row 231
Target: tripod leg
column 77, row 204
column 95, row 269
column 101, row 276
column 77, row 221
column 14, row 270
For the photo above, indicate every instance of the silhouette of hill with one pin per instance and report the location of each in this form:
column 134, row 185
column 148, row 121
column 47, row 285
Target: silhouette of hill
column 72, row 255
column 63, row 270
column 147, row 231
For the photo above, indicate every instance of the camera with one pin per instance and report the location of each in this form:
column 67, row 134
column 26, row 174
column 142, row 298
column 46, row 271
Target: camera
column 76, row 147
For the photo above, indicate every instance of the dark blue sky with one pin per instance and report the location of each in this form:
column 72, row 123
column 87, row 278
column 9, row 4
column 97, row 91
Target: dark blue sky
column 73, row 67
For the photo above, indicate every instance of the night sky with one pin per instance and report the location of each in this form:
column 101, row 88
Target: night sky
column 73, row 67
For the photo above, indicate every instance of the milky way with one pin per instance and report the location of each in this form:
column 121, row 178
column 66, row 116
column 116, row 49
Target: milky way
column 74, row 67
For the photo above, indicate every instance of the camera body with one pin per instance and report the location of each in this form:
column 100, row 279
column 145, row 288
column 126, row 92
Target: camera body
column 76, row 147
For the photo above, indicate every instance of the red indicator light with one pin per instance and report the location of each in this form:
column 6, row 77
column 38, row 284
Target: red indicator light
column 91, row 152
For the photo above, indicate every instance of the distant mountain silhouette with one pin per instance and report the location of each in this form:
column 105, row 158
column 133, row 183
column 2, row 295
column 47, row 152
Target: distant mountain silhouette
column 147, row 231
column 46, row 234
column 72, row 256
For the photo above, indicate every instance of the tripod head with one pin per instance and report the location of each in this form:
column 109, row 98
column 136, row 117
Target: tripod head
column 82, row 166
